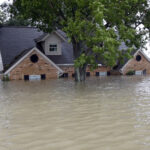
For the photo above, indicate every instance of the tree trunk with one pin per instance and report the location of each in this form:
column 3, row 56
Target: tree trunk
column 80, row 72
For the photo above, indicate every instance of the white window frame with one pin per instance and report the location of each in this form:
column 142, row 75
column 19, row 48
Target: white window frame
column 34, row 77
column 53, row 46
column 104, row 74
column 139, row 72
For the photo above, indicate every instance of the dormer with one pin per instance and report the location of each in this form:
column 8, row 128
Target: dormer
column 52, row 43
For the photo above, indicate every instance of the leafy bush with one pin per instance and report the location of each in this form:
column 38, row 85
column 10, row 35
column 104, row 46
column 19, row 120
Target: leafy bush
column 130, row 72
column 5, row 78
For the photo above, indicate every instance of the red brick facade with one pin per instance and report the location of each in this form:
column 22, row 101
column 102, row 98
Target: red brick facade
column 135, row 65
column 70, row 70
column 26, row 67
column 42, row 66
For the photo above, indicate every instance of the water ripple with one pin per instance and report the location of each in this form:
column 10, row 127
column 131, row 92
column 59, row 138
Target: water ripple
column 111, row 113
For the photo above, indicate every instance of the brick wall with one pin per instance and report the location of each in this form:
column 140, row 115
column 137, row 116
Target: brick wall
column 70, row 70
column 135, row 65
column 26, row 67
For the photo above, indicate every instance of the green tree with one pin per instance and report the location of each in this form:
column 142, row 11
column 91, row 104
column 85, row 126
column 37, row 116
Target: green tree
column 96, row 28
column 8, row 19
column 17, row 21
column 2, row 16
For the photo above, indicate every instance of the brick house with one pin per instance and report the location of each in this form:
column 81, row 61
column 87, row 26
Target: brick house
column 139, row 64
column 26, row 54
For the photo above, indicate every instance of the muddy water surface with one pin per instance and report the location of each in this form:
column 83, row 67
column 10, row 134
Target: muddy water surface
column 110, row 113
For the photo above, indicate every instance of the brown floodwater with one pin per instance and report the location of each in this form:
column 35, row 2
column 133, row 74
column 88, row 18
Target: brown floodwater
column 107, row 113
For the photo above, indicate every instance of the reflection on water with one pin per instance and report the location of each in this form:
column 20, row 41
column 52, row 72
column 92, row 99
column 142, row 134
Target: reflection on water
column 110, row 113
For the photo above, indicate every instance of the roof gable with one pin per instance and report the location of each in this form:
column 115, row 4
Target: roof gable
column 46, row 35
column 39, row 52
column 136, row 53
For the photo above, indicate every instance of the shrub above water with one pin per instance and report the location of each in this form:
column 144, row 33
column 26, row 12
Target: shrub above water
column 131, row 72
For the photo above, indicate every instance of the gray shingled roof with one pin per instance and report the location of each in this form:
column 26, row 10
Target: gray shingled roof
column 15, row 40
column 66, row 57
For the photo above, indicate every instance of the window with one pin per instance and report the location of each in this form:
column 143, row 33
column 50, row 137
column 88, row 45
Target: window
column 97, row 74
column 26, row 77
column 34, row 58
column 138, row 58
column 73, row 75
column 102, row 73
column 53, row 47
column 144, row 71
column 87, row 74
column 139, row 72
column 34, row 77
column 65, row 75
column 43, row 76
column 108, row 73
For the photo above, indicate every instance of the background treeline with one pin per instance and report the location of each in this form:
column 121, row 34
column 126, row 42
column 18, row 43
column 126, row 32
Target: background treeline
column 8, row 19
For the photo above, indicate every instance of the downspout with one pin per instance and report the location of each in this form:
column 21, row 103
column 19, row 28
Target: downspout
column 59, row 74
column 1, row 63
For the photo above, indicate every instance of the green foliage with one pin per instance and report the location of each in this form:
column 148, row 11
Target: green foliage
column 17, row 21
column 5, row 78
column 131, row 72
column 8, row 19
column 96, row 28
column 2, row 17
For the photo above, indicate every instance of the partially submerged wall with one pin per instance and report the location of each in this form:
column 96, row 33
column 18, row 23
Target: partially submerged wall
column 137, row 63
column 70, row 70
column 27, row 67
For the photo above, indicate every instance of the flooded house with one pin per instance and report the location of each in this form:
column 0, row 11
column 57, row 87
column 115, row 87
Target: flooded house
column 138, row 65
column 28, row 54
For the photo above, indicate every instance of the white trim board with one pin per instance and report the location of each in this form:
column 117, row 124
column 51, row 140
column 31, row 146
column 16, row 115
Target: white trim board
column 63, row 65
column 60, row 36
column 1, row 62
column 144, row 55
column 122, row 69
column 38, row 51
